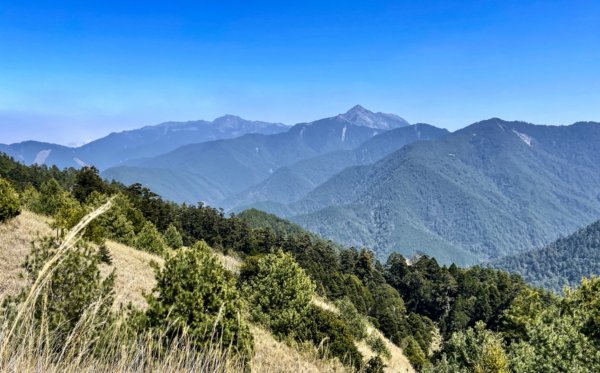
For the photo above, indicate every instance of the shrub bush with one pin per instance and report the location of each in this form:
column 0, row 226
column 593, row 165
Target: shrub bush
column 375, row 365
column 120, row 223
column 378, row 346
column 104, row 254
column 149, row 239
column 196, row 296
column 173, row 237
column 68, row 214
column 9, row 201
column 352, row 318
column 50, row 199
column 414, row 353
column 327, row 331
column 74, row 286
column 278, row 290
column 476, row 350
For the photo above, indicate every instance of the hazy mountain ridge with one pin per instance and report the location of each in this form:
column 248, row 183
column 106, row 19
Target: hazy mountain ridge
column 291, row 183
column 148, row 141
column 237, row 164
column 30, row 152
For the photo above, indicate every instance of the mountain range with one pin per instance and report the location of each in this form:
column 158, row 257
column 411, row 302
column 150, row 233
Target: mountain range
column 290, row 183
column 216, row 170
column 490, row 190
column 148, row 141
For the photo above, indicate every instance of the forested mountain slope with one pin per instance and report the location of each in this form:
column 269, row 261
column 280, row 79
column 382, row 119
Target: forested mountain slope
column 491, row 189
column 562, row 263
column 291, row 183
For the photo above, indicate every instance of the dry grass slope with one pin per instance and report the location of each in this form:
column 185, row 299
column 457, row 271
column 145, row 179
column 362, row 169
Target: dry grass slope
column 397, row 363
column 134, row 277
column 277, row 357
column 16, row 236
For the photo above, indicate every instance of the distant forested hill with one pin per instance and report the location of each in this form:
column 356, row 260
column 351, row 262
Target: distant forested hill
column 562, row 263
column 293, row 182
column 492, row 189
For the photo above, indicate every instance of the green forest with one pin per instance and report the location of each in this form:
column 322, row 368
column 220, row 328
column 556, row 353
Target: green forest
column 562, row 263
column 445, row 318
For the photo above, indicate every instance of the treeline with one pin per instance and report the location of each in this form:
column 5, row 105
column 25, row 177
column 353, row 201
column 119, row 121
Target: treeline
column 485, row 320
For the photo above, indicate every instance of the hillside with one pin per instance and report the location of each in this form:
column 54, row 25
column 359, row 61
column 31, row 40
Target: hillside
column 491, row 189
column 215, row 170
column 229, row 293
column 135, row 277
column 290, row 183
column 562, row 263
column 148, row 141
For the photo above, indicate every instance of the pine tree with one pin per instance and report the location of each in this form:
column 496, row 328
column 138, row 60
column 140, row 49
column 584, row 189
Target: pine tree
column 88, row 181
column 195, row 293
column 9, row 201
column 75, row 285
column 68, row 214
column 149, row 239
column 278, row 290
column 51, row 198
column 415, row 354
column 104, row 254
column 173, row 238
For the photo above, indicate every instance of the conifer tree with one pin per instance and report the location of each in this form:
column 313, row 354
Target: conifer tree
column 104, row 254
column 173, row 237
column 149, row 239
column 9, row 201
column 195, row 293
column 75, row 285
column 278, row 290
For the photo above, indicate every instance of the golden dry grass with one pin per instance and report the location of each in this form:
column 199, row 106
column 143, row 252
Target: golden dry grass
column 230, row 263
column 325, row 305
column 16, row 236
column 134, row 277
column 277, row 357
column 397, row 361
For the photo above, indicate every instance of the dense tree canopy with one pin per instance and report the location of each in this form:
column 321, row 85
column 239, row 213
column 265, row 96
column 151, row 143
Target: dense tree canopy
column 562, row 263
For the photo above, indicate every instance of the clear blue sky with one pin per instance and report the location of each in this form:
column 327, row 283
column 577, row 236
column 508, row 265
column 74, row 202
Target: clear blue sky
column 71, row 71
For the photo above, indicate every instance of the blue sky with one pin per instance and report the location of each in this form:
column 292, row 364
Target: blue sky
column 72, row 71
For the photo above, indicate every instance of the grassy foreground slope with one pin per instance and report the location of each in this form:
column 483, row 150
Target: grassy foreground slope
column 135, row 277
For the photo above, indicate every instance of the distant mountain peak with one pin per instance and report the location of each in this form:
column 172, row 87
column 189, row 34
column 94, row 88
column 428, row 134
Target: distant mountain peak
column 360, row 116
column 227, row 118
column 358, row 109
